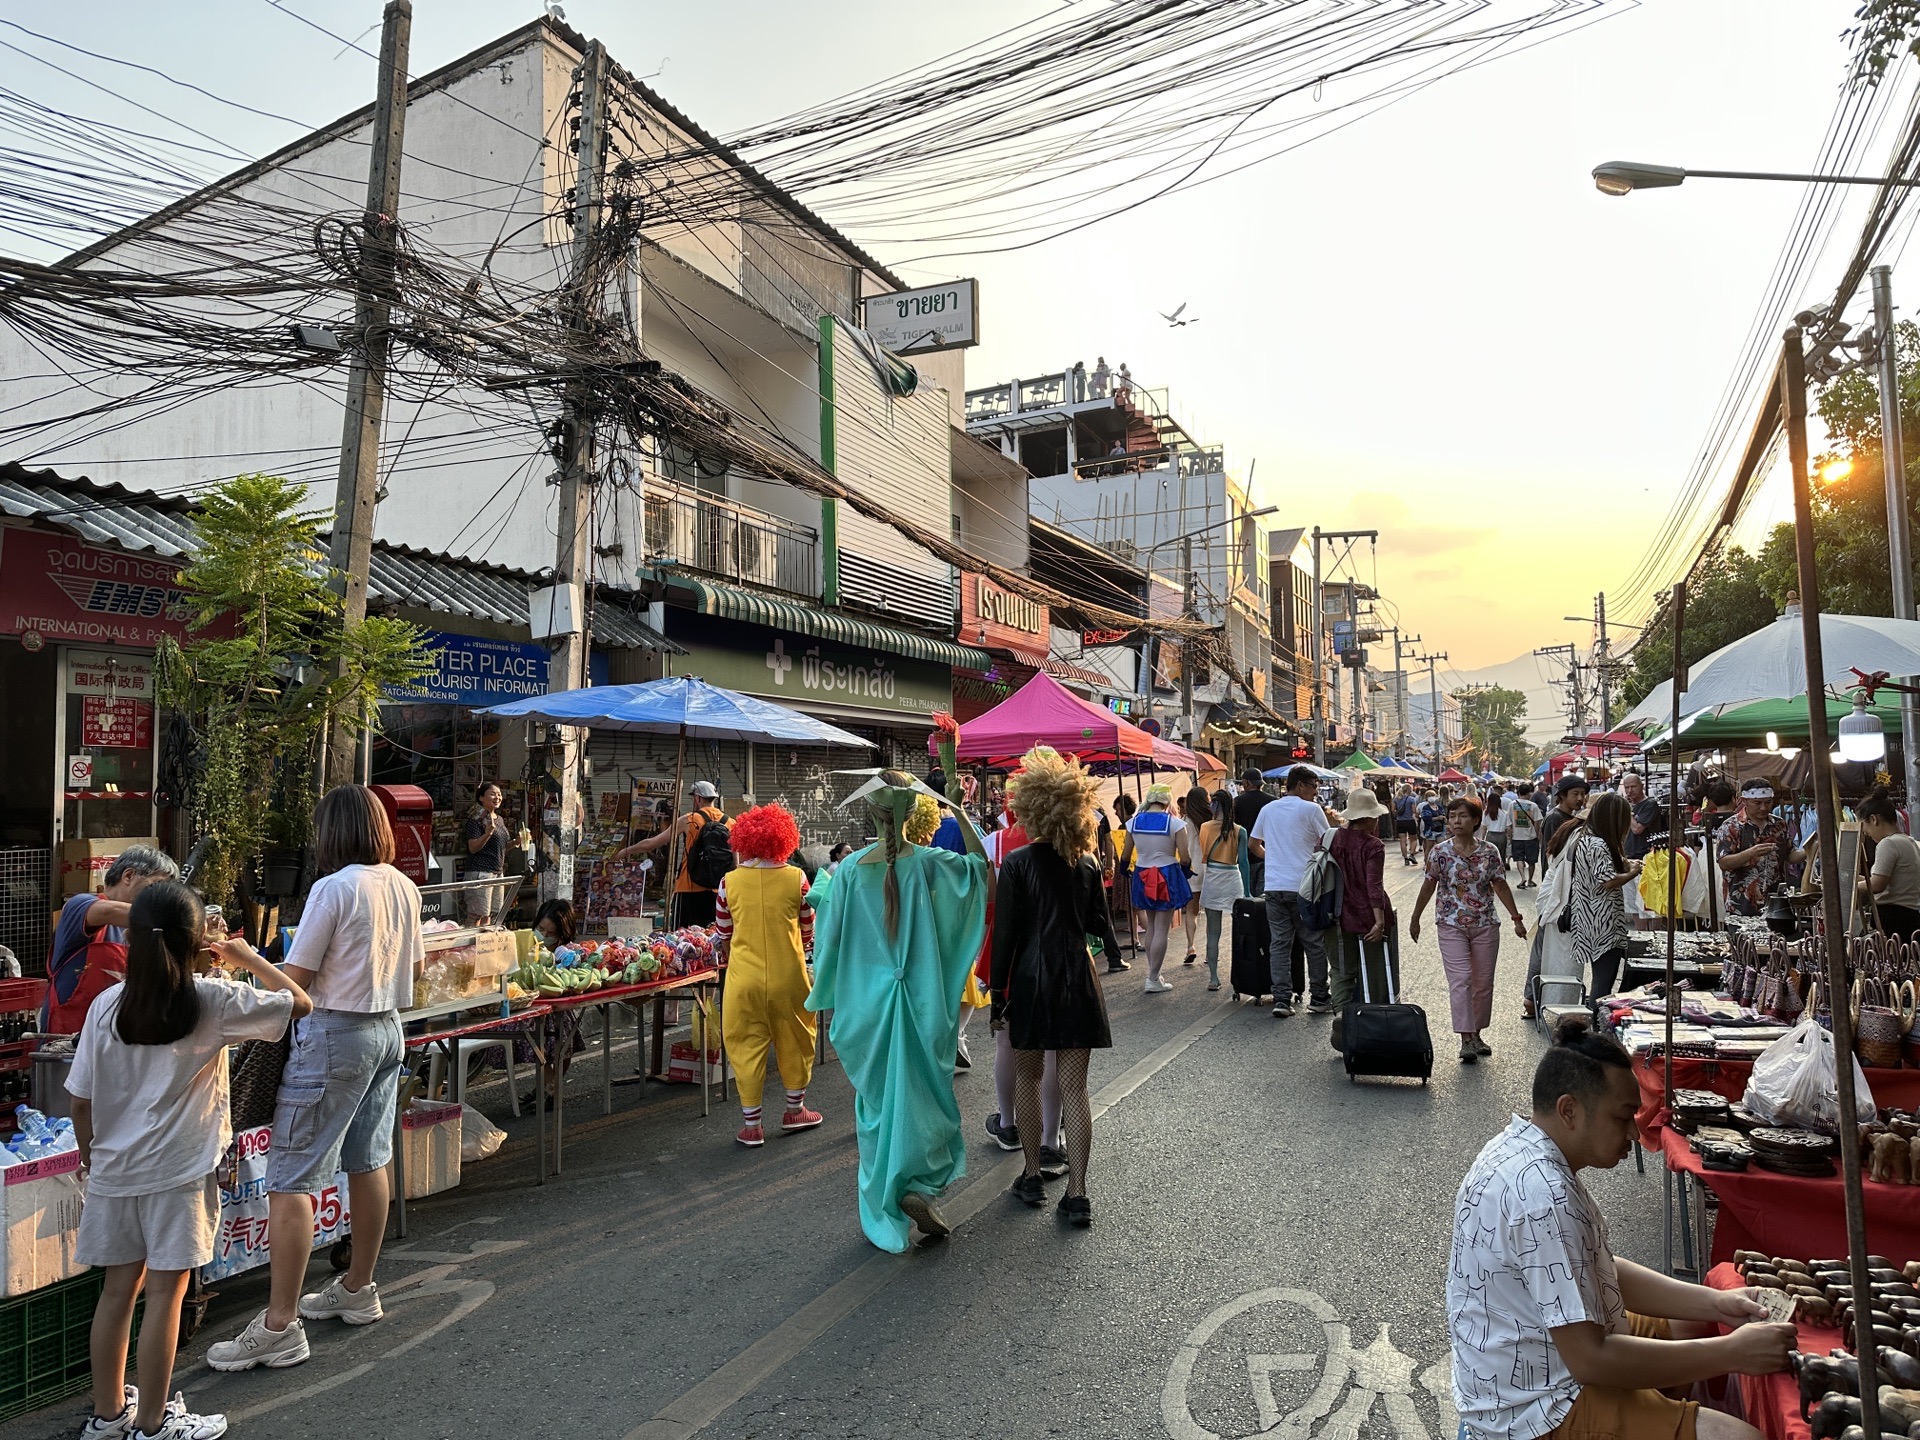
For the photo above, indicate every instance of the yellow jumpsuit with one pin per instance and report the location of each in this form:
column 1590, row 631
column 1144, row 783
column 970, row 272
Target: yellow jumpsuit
column 767, row 980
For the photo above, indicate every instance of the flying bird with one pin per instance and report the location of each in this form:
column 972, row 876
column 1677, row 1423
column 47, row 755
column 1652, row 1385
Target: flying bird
column 1175, row 320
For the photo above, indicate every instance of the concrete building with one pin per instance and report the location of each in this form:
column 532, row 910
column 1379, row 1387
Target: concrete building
column 752, row 304
column 1109, row 463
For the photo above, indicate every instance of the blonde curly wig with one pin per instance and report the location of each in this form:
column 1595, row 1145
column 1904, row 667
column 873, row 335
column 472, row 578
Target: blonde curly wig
column 922, row 822
column 1054, row 799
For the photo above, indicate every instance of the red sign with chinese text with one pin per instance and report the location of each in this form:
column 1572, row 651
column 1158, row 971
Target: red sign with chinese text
column 62, row 589
column 1001, row 620
column 118, row 724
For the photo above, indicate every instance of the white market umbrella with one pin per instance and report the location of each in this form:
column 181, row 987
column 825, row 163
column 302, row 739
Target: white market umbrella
column 1771, row 665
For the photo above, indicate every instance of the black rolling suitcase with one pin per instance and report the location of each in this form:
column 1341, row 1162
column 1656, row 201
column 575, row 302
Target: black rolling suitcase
column 1390, row 1039
column 1251, row 974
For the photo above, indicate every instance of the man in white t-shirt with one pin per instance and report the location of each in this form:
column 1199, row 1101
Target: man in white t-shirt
column 1285, row 835
column 1554, row 1336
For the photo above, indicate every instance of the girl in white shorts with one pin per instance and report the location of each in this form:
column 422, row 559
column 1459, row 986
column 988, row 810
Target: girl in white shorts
column 149, row 1087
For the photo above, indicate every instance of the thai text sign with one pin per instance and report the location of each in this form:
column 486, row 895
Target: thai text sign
column 800, row 670
column 61, row 589
column 994, row 616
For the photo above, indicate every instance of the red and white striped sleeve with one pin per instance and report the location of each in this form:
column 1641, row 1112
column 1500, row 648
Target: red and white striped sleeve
column 806, row 916
column 722, row 917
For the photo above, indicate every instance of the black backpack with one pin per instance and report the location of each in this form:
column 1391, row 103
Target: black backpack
column 710, row 856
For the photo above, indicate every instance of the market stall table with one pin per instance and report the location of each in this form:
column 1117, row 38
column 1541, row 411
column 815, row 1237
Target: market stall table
column 1771, row 1403
column 1792, row 1214
column 635, row 997
column 1898, row 1089
column 529, row 1023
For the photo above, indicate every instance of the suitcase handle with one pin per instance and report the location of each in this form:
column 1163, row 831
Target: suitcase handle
column 1386, row 965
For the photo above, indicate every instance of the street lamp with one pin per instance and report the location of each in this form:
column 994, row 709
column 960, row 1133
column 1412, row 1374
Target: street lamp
column 1623, row 177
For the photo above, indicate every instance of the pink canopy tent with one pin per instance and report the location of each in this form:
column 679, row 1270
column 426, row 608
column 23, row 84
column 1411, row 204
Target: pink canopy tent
column 1045, row 712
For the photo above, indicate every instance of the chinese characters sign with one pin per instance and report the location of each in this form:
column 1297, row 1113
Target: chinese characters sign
column 123, row 724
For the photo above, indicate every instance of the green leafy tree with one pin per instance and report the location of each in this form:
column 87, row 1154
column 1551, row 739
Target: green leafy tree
column 1884, row 30
column 1730, row 597
column 271, row 666
column 1494, row 718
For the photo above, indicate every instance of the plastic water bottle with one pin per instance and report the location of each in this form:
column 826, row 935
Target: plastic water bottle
column 32, row 1124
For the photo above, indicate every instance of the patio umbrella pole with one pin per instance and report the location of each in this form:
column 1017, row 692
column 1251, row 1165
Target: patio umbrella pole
column 1793, row 403
column 675, row 846
column 1679, row 610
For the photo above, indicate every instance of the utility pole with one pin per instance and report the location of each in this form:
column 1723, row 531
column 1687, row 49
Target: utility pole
column 1603, row 663
column 1319, row 637
column 357, row 490
column 1433, row 699
column 1189, row 612
column 1893, row 465
column 573, row 559
column 1576, row 703
column 1400, row 643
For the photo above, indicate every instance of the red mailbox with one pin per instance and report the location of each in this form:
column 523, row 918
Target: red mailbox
column 410, row 813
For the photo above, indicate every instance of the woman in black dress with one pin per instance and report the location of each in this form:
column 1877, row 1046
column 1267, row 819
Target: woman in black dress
column 1046, row 991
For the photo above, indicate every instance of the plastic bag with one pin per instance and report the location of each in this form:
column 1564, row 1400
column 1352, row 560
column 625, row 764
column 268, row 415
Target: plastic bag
column 1795, row 1082
column 479, row 1136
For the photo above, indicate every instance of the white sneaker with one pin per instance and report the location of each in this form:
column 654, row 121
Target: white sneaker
column 181, row 1423
column 336, row 1302
column 105, row 1425
column 1156, row 987
column 257, row 1345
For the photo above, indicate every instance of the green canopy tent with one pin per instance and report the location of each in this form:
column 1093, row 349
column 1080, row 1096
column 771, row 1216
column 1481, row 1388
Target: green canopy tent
column 1753, row 722
column 1358, row 760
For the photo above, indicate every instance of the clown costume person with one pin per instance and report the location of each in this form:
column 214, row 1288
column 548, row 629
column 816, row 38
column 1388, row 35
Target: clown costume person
column 763, row 915
column 891, row 958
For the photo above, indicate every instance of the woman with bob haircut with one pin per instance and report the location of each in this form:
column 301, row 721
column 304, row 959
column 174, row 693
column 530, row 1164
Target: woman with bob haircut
column 1468, row 876
column 1046, row 990
column 764, row 917
column 356, row 952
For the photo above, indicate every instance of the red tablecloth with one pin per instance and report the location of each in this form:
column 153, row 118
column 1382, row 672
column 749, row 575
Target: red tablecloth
column 1897, row 1088
column 1771, row 1403
column 1797, row 1216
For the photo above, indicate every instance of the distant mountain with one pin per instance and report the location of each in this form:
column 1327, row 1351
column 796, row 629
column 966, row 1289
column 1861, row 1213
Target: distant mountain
column 1533, row 676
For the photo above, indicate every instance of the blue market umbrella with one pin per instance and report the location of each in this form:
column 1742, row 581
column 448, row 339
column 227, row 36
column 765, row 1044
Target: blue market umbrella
column 680, row 705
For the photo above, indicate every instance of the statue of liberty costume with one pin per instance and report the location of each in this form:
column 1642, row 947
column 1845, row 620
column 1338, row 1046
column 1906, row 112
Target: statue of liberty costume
column 892, row 953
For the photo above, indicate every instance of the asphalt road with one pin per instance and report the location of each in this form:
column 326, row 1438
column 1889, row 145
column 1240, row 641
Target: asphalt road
column 1270, row 1248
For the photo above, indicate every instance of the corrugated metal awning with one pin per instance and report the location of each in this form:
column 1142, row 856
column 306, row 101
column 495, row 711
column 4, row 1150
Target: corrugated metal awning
column 396, row 575
column 760, row 609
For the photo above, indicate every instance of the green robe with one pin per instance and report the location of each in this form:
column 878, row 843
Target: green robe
column 896, row 1019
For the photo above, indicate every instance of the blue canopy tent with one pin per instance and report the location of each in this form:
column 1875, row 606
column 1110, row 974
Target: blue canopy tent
column 681, row 705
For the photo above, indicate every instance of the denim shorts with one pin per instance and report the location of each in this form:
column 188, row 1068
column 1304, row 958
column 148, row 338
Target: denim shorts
column 337, row 1100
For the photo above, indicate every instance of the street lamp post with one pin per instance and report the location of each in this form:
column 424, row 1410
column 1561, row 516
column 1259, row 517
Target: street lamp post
column 1622, row 177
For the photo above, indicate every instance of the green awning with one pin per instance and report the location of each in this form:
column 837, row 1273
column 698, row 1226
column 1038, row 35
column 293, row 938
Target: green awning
column 1785, row 718
column 1358, row 760
column 756, row 608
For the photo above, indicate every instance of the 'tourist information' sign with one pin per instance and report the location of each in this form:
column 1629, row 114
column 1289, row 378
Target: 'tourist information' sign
column 470, row 670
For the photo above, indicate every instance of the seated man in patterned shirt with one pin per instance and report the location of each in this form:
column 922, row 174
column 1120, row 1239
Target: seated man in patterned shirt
column 1551, row 1334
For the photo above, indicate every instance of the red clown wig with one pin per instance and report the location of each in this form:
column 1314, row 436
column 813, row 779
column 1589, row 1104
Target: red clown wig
column 766, row 832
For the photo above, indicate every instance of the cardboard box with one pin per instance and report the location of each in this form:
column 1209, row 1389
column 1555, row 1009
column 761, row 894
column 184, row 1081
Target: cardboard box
column 683, row 1065
column 84, row 863
column 430, row 1132
column 39, row 1221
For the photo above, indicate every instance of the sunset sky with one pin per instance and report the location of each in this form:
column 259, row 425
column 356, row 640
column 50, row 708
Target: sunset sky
column 1428, row 322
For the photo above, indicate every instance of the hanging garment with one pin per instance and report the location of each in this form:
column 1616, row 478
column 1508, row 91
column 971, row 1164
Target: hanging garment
column 896, row 1018
column 1658, row 889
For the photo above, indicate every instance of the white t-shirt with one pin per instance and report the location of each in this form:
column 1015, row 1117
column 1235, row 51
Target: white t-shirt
column 160, row 1111
column 360, row 935
column 1499, row 816
column 1153, row 850
column 1530, row 1254
column 1290, row 828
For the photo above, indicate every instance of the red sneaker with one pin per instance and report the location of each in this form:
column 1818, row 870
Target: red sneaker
column 751, row 1136
column 801, row 1119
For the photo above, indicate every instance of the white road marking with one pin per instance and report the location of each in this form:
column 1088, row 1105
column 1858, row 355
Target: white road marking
column 1380, row 1372
column 691, row 1412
